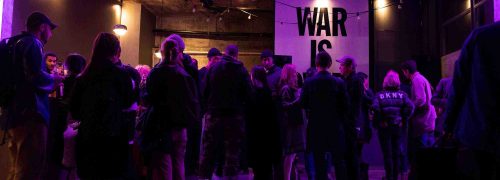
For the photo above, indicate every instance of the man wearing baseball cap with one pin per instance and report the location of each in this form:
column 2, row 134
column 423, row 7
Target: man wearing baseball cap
column 28, row 108
column 355, row 90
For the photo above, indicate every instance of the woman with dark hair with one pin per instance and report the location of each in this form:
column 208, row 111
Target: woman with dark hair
column 99, row 97
column 75, row 64
column 262, row 128
column 365, row 133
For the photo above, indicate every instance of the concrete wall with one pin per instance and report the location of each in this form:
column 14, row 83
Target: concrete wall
column 147, row 38
column 131, row 18
column 79, row 22
column 234, row 22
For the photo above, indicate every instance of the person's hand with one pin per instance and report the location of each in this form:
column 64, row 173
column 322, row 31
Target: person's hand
column 357, row 132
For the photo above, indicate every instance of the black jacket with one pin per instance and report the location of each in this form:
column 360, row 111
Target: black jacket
column 355, row 89
column 173, row 96
column 474, row 98
column 366, row 125
column 392, row 107
column 325, row 99
column 262, row 127
column 228, row 87
column 98, row 101
column 273, row 78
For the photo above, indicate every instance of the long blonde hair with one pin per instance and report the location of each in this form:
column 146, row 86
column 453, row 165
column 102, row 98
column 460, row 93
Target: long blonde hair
column 289, row 76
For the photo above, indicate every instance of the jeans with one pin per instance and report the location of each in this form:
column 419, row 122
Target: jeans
column 170, row 166
column 390, row 141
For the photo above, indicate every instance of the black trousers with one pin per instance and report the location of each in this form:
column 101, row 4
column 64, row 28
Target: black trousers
column 322, row 161
column 390, row 139
column 352, row 158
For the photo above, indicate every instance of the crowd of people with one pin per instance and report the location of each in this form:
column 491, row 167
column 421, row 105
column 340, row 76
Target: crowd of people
column 101, row 119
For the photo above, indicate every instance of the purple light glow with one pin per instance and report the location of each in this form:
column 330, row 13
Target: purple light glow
column 497, row 9
column 6, row 18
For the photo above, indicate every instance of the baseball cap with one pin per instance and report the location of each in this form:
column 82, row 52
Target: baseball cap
column 38, row 18
column 214, row 52
column 347, row 60
column 266, row 54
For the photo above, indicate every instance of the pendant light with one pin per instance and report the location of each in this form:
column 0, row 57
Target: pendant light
column 120, row 29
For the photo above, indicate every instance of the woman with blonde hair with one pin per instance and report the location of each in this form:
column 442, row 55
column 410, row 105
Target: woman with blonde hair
column 392, row 109
column 292, row 122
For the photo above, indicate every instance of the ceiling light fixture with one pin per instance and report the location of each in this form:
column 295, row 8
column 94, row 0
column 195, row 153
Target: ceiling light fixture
column 120, row 29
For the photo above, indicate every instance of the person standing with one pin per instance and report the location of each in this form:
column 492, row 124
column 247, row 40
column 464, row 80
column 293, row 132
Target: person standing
column 262, row 128
column 100, row 95
column 227, row 93
column 174, row 105
column 439, row 100
column 75, row 64
column 356, row 91
column 422, row 123
column 24, row 98
column 214, row 56
column 473, row 103
column 392, row 109
column 58, row 115
column 273, row 72
column 190, row 65
column 366, row 116
column 292, row 122
column 325, row 99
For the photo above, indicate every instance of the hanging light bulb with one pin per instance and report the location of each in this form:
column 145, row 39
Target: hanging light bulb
column 208, row 19
column 220, row 19
column 249, row 16
column 194, row 9
column 158, row 54
column 120, row 29
column 358, row 17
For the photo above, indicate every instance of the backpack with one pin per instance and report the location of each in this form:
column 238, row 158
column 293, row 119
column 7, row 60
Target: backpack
column 7, row 79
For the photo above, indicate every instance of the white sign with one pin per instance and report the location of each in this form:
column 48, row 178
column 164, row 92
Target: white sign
column 340, row 27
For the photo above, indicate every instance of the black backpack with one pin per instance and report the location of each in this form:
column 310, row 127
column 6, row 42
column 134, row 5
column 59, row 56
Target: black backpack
column 8, row 80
